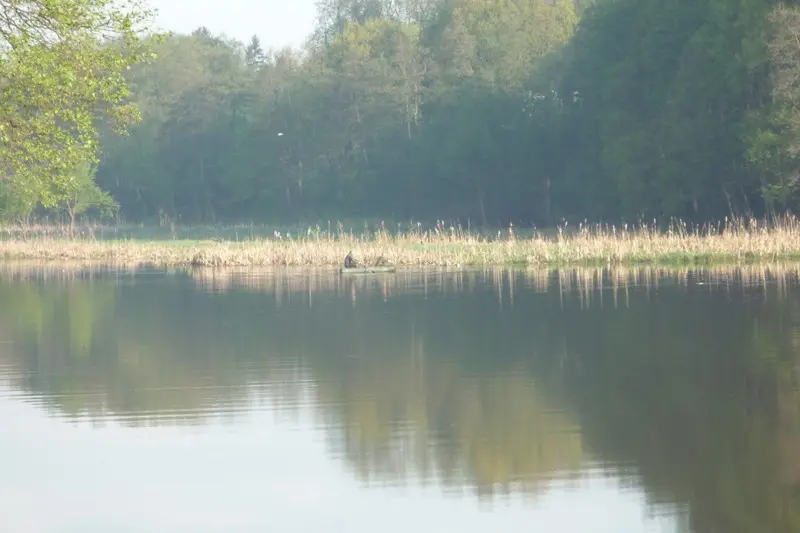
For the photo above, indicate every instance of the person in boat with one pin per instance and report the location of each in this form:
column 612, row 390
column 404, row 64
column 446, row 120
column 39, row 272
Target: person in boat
column 349, row 262
column 381, row 261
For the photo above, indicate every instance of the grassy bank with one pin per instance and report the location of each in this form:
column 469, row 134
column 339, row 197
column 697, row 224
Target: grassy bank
column 739, row 242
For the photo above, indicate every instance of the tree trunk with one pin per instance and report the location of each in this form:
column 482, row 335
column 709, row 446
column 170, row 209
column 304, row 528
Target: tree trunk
column 548, row 209
column 481, row 202
column 71, row 212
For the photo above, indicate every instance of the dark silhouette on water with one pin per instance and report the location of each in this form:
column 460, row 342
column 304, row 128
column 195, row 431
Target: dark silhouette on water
column 381, row 264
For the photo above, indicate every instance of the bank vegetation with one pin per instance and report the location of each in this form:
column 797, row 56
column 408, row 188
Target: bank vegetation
column 737, row 241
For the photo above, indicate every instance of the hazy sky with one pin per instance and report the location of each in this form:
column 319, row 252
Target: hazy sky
column 277, row 23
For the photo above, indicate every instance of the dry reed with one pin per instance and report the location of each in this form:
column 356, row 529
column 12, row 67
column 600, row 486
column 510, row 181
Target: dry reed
column 732, row 242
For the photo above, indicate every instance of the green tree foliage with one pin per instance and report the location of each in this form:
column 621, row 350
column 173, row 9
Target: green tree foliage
column 774, row 136
column 62, row 65
column 356, row 126
column 529, row 111
column 17, row 203
column 79, row 193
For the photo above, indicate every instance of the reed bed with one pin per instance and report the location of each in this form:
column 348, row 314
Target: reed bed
column 731, row 242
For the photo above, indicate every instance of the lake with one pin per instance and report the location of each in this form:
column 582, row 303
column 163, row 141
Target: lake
column 640, row 400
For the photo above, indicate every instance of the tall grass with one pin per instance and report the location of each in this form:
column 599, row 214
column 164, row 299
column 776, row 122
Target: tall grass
column 731, row 241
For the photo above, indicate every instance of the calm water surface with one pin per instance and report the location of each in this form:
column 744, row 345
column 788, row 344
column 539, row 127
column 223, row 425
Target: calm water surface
column 296, row 400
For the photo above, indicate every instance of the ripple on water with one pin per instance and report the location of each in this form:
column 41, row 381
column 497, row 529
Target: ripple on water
column 469, row 399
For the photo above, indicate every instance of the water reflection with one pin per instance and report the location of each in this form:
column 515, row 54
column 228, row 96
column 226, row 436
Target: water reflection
column 677, row 385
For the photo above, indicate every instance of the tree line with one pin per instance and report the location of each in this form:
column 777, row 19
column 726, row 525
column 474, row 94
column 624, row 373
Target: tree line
column 486, row 112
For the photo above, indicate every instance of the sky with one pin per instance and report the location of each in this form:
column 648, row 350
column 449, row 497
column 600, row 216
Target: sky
column 277, row 23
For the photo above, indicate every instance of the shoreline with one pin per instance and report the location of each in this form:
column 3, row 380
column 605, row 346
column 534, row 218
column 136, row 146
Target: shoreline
column 582, row 249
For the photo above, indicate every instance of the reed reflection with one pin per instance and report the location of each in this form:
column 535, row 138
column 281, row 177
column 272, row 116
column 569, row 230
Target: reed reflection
column 681, row 383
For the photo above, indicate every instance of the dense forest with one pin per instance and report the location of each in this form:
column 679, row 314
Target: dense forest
column 487, row 112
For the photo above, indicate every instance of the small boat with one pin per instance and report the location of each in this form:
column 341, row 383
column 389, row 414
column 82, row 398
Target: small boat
column 351, row 267
column 368, row 269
